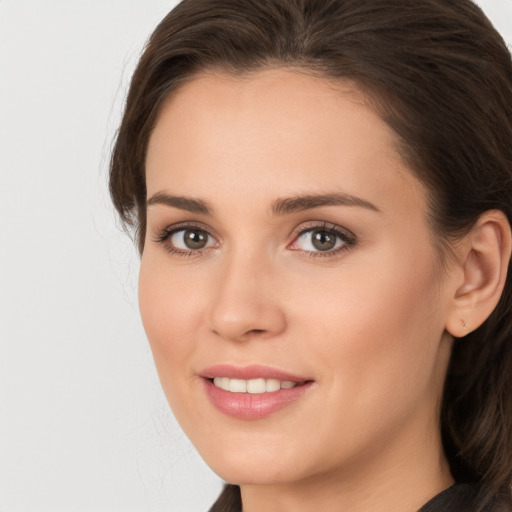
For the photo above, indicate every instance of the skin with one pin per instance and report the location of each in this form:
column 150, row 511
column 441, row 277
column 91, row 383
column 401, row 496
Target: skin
column 367, row 324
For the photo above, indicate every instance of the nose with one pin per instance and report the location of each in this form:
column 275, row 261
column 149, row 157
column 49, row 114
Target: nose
column 247, row 300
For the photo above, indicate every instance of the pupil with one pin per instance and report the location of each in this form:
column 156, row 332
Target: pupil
column 195, row 239
column 323, row 240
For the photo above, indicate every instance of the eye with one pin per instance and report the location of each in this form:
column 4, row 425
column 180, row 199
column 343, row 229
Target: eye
column 323, row 239
column 191, row 239
column 185, row 240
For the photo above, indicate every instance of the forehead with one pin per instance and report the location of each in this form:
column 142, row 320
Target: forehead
column 278, row 129
column 277, row 102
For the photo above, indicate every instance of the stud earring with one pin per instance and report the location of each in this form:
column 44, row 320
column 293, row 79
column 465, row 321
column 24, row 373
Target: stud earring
column 463, row 322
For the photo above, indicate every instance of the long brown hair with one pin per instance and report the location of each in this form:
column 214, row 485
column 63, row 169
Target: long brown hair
column 441, row 76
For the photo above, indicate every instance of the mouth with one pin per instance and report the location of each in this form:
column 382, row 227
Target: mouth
column 253, row 386
column 252, row 392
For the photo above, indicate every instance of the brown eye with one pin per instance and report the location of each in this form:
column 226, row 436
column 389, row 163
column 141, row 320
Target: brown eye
column 191, row 239
column 323, row 240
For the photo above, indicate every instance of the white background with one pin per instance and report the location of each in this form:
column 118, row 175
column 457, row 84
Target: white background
column 84, row 426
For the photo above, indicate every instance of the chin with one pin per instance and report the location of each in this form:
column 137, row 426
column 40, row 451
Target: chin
column 255, row 460
column 255, row 472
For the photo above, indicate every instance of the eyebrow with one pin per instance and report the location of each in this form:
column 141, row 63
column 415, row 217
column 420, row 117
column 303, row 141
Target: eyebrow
column 281, row 206
column 181, row 202
column 287, row 205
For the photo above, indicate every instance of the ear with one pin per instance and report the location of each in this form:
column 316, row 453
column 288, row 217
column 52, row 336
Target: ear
column 483, row 256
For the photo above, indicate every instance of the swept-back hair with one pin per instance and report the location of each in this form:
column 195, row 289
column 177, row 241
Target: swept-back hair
column 440, row 76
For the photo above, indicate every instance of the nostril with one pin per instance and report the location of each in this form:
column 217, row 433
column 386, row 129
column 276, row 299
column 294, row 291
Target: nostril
column 244, row 322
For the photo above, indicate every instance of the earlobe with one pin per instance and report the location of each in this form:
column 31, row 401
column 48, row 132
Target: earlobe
column 484, row 256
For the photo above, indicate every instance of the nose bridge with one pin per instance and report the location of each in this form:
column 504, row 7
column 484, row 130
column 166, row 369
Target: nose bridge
column 246, row 302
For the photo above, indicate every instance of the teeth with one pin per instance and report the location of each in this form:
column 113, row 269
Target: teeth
column 256, row 386
column 252, row 385
column 237, row 386
column 272, row 385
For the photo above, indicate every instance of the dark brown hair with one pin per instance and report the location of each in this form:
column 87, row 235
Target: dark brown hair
column 441, row 76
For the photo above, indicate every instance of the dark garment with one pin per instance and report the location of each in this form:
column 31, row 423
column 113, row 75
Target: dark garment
column 465, row 498
column 457, row 498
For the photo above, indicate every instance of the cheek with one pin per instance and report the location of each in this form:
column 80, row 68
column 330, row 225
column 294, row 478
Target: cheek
column 170, row 315
column 377, row 330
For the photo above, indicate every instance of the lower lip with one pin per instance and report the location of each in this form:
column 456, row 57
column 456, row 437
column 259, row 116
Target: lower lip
column 249, row 406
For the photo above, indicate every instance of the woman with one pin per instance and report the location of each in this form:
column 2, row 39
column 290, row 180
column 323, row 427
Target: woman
column 322, row 197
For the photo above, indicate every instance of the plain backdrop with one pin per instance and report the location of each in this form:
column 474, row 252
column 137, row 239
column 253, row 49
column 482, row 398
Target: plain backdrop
column 84, row 426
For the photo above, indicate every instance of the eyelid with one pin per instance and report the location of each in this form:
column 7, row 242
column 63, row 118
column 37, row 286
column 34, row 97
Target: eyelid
column 321, row 224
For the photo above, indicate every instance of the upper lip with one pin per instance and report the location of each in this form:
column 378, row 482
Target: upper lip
column 253, row 371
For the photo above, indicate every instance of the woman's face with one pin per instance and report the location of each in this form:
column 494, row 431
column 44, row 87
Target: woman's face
column 288, row 257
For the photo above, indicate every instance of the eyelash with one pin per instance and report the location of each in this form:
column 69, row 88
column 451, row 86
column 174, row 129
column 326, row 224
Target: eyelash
column 165, row 234
column 349, row 239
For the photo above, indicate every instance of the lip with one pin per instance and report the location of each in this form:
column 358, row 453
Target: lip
column 250, row 406
column 253, row 371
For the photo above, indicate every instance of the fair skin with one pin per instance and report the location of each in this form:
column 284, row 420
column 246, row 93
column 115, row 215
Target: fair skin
column 366, row 319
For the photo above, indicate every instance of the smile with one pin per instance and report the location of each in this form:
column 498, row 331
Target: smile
column 253, row 386
column 253, row 392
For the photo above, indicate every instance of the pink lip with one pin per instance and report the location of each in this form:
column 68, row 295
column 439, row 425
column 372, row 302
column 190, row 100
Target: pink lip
column 249, row 372
column 250, row 406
